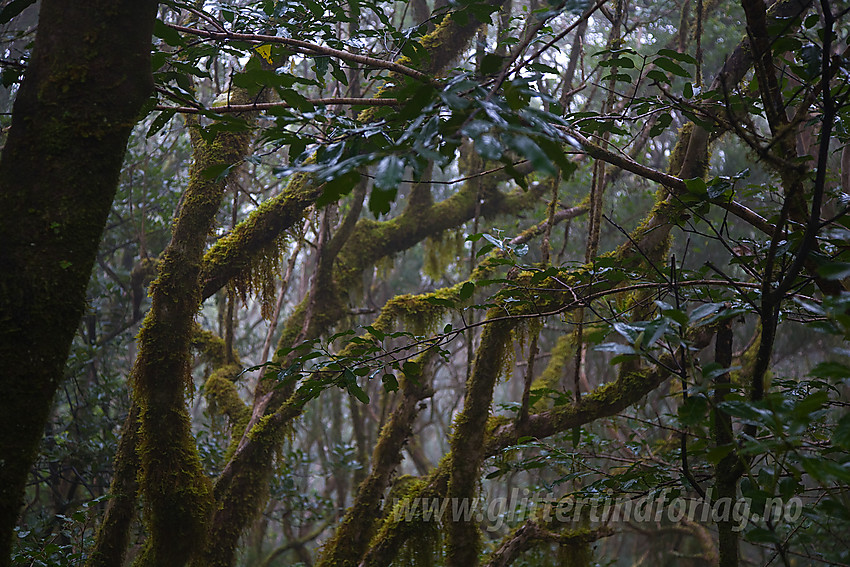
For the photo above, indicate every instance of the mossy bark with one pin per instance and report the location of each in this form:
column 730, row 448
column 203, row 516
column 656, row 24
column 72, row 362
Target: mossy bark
column 729, row 469
column 85, row 83
column 113, row 535
column 396, row 530
column 467, row 444
column 238, row 491
column 176, row 493
column 352, row 537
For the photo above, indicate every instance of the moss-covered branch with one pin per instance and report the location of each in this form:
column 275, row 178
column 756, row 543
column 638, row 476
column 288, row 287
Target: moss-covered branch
column 354, row 533
column 235, row 254
column 531, row 533
column 467, row 442
column 176, row 492
column 113, row 535
column 239, row 489
column 604, row 401
column 373, row 240
column 397, row 529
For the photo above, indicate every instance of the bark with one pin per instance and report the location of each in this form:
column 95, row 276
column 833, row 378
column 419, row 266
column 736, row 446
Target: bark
column 87, row 79
column 236, row 489
column 604, row 401
column 467, row 445
column 177, row 494
column 352, row 537
column 733, row 71
column 532, row 533
column 113, row 535
column 729, row 469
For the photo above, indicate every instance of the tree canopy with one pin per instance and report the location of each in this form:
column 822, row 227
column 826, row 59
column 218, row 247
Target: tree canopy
column 467, row 282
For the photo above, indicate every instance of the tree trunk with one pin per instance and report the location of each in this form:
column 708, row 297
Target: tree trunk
column 87, row 79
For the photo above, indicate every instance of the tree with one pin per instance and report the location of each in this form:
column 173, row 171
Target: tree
column 85, row 82
column 387, row 187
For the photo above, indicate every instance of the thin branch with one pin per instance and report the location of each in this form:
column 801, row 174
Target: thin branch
column 308, row 48
column 269, row 105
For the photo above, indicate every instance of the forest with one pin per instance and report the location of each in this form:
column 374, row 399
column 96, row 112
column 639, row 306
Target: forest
column 424, row 282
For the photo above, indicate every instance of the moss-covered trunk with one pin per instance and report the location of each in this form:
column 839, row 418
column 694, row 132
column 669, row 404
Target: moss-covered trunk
column 467, row 446
column 176, row 492
column 85, row 84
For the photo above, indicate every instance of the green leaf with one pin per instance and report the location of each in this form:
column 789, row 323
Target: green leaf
column 421, row 97
column 411, row 370
column 529, row 149
column 696, row 186
column 14, row 8
column 762, row 535
column 168, row 35
column 830, row 369
column 217, row 172
column 377, row 333
column 619, row 77
column 628, row 332
column 661, row 124
column 321, row 63
column 684, row 57
column 491, row 64
column 676, row 315
column 380, row 200
column 337, row 187
column 350, row 381
column 834, row 270
column 746, row 411
column 389, row 173
column 716, row 454
column 390, row 382
column 704, row 311
column 295, row 100
column 810, row 404
column 159, row 122
column 358, row 392
column 489, row 147
column 616, row 348
column 693, row 410
column 824, row 470
column 671, row 67
column 658, row 76
column 466, row 291
column 841, row 434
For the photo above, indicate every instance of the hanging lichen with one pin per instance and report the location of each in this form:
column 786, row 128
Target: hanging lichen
column 441, row 251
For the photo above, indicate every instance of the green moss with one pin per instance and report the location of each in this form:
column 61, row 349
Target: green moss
column 441, row 251
column 223, row 397
column 212, row 348
column 443, row 45
column 257, row 242
column 420, row 312
column 743, row 377
column 560, row 357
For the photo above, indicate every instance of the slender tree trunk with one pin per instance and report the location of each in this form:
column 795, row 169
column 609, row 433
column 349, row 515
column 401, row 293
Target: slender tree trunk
column 87, row 79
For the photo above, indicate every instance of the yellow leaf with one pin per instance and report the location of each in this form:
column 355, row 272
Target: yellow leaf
column 265, row 52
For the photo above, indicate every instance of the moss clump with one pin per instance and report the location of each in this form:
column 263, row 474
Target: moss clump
column 222, row 397
column 561, row 356
column 212, row 348
column 440, row 252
